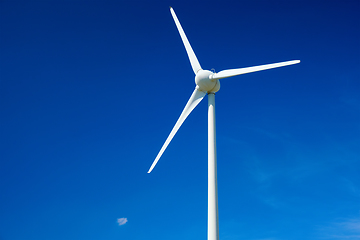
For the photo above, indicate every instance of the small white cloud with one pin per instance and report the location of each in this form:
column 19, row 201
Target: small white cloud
column 122, row 221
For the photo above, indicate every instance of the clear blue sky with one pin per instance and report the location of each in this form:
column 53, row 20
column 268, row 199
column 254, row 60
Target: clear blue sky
column 89, row 91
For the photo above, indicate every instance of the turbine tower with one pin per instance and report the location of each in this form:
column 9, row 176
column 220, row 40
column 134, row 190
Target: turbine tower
column 208, row 83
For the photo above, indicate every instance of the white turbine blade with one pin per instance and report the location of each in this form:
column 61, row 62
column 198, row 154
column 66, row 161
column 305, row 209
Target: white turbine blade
column 192, row 57
column 194, row 100
column 238, row 71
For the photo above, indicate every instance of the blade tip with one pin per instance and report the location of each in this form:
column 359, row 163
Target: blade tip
column 151, row 168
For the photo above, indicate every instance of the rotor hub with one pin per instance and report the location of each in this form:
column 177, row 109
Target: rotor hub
column 205, row 83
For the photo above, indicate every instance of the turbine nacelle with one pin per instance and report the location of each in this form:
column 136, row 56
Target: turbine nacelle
column 205, row 82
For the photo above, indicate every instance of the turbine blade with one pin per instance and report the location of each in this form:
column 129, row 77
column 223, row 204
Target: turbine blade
column 238, row 71
column 192, row 57
column 194, row 100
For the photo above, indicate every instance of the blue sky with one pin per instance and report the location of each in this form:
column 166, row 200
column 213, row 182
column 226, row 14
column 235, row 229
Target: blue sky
column 89, row 91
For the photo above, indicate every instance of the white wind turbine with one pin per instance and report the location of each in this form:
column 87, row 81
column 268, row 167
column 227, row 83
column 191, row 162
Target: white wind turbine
column 208, row 83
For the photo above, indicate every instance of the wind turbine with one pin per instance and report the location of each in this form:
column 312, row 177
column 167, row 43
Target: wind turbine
column 208, row 83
